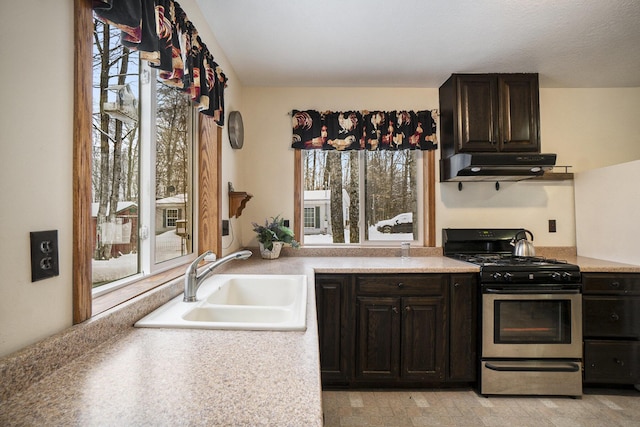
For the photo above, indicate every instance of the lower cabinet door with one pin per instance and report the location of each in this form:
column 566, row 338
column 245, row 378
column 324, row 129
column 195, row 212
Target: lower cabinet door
column 334, row 328
column 423, row 339
column 612, row 362
column 377, row 338
column 400, row 339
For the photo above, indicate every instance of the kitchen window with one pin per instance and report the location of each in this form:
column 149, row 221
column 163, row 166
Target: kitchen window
column 362, row 197
column 207, row 162
column 142, row 173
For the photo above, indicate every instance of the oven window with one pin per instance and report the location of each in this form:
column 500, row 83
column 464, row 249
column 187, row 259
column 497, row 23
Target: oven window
column 532, row 322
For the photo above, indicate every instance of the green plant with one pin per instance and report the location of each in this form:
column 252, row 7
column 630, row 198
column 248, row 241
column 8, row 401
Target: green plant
column 274, row 230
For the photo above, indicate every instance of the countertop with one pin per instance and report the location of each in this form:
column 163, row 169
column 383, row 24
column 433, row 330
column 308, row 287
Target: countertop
column 157, row 377
column 106, row 372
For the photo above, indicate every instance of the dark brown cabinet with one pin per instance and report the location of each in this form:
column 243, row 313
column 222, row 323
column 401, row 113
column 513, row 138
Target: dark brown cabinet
column 333, row 304
column 611, row 328
column 463, row 312
column 401, row 329
column 401, row 339
column 490, row 113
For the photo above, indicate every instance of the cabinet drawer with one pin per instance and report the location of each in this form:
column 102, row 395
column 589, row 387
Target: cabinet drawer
column 611, row 362
column 401, row 284
column 616, row 317
column 610, row 283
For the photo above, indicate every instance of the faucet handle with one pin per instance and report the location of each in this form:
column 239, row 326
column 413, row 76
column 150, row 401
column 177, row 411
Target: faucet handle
column 194, row 265
column 202, row 256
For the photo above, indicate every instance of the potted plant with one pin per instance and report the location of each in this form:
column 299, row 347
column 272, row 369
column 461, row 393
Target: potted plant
column 272, row 235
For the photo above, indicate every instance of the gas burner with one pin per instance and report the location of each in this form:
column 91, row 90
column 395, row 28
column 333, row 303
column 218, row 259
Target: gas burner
column 492, row 251
column 507, row 259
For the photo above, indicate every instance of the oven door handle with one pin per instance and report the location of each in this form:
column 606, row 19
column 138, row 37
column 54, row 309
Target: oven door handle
column 563, row 367
column 520, row 291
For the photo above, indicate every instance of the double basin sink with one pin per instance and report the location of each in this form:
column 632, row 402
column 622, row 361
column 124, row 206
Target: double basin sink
column 238, row 301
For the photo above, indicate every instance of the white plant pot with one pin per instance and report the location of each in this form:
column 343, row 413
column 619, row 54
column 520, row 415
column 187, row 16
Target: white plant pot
column 271, row 254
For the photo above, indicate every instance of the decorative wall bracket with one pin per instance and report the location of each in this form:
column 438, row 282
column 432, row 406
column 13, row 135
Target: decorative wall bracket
column 237, row 201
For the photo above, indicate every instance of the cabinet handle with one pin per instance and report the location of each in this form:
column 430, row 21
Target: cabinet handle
column 615, row 285
column 456, row 285
column 619, row 362
column 400, row 285
column 615, row 317
column 407, row 308
column 395, row 310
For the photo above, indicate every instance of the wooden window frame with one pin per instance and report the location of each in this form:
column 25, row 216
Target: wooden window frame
column 429, row 187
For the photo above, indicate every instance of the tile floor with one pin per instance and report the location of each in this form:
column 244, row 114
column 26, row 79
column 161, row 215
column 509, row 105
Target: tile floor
column 597, row 408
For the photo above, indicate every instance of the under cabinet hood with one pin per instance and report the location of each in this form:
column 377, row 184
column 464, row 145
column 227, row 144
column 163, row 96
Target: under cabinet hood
column 495, row 166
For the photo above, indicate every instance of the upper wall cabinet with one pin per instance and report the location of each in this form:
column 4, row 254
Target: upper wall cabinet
column 484, row 113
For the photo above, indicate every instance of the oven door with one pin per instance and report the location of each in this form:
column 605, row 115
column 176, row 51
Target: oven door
column 532, row 325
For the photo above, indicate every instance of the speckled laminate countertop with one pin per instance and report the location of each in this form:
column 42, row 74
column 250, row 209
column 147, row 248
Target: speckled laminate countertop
column 593, row 265
column 90, row 375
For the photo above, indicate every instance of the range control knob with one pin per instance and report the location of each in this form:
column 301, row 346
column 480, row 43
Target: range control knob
column 496, row 276
column 556, row 276
column 508, row 277
column 566, row 276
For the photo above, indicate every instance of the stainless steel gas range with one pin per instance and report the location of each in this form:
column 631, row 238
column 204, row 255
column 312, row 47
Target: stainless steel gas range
column 531, row 315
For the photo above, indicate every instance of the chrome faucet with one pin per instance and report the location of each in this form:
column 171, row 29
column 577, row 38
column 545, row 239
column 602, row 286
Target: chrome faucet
column 193, row 279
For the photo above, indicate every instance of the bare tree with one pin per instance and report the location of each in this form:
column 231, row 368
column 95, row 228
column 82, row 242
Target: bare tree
column 116, row 173
column 111, row 60
column 334, row 165
column 354, row 202
column 171, row 141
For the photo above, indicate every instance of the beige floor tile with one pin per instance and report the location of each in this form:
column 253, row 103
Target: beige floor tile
column 597, row 408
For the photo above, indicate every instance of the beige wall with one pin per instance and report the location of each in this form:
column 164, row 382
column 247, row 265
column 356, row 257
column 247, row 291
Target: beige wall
column 587, row 127
column 607, row 212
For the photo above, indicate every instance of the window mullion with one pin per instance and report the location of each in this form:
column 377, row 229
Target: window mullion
column 362, row 223
column 147, row 169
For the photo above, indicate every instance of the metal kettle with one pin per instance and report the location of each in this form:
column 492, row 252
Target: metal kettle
column 522, row 246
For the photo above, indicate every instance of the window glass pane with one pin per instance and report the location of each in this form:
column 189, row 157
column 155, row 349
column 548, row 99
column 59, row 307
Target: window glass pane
column 115, row 157
column 336, row 184
column 331, row 197
column 173, row 178
column 391, row 198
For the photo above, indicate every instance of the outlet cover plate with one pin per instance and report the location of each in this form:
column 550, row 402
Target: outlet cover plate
column 44, row 254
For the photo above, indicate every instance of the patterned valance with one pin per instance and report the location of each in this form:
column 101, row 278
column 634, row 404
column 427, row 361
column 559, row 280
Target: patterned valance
column 161, row 32
column 360, row 130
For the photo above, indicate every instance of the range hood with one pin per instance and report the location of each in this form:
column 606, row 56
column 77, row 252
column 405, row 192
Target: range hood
column 495, row 166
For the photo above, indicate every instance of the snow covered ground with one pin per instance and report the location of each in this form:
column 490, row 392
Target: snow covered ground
column 168, row 246
column 374, row 236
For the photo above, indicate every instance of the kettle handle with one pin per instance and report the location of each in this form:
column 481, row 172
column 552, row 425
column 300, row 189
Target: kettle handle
column 525, row 231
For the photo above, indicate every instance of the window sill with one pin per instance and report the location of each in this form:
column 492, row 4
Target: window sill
column 109, row 300
column 358, row 251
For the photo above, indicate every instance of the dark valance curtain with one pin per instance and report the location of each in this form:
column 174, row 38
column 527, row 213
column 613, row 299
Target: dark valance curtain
column 164, row 36
column 364, row 130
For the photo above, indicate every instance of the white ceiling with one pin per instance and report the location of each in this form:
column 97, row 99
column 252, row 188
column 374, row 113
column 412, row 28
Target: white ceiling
column 419, row 43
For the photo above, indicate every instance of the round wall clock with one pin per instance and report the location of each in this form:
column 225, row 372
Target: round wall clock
column 236, row 130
